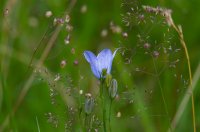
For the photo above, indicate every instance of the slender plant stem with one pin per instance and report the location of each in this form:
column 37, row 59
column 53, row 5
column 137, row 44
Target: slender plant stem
column 111, row 100
column 103, row 99
column 180, row 33
column 27, row 85
column 86, row 122
column 186, row 98
column 162, row 94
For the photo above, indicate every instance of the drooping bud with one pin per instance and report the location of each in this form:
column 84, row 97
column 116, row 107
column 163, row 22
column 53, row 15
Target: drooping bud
column 113, row 88
column 108, row 79
column 89, row 104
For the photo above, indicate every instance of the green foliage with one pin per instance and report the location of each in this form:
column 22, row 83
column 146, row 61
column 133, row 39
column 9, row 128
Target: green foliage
column 46, row 90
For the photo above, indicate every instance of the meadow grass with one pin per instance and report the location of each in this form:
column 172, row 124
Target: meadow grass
column 47, row 85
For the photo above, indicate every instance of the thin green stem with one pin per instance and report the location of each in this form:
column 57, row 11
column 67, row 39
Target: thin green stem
column 181, row 38
column 103, row 99
column 162, row 94
column 86, row 124
column 111, row 100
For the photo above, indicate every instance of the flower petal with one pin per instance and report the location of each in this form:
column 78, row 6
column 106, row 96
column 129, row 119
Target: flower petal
column 115, row 52
column 104, row 60
column 92, row 59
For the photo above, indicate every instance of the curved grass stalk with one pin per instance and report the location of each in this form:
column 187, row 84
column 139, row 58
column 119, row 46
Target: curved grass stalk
column 186, row 98
column 27, row 85
column 178, row 29
column 180, row 33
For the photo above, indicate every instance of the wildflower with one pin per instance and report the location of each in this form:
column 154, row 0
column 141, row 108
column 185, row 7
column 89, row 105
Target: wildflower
column 102, row 62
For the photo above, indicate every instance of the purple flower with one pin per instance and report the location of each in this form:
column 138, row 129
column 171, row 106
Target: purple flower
column 102, row 61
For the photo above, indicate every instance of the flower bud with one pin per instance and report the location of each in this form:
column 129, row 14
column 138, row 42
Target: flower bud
column 89, row 104
column 108, row 79
column 113, row 88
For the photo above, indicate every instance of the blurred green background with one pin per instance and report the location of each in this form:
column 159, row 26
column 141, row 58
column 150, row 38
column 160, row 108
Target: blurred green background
column 49, row 104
